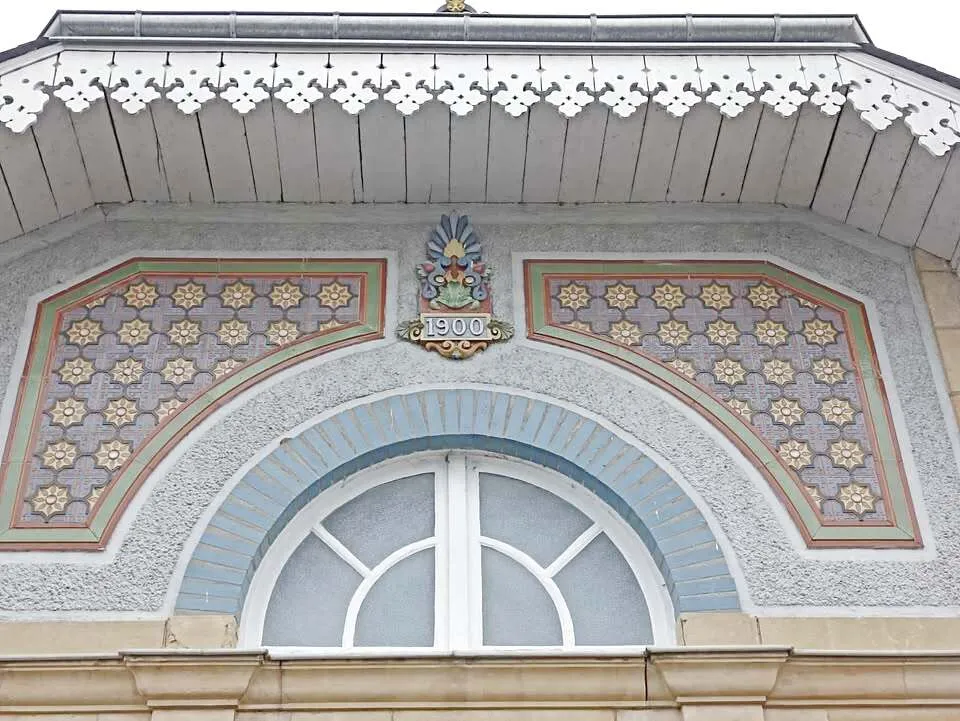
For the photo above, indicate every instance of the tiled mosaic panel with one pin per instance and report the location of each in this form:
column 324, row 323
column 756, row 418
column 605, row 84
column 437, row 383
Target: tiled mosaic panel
column 779, row 359
column 126, row 360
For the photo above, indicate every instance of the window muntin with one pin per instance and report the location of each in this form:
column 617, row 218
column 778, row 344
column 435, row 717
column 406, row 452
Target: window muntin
column 518, row 558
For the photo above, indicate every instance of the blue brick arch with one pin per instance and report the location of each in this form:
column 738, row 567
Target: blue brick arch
column 270, row 494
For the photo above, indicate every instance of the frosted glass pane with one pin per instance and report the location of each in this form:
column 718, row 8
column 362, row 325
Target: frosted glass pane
column 309, row 601
column 527, row 517
column 516, row 609
column 376, row 523
column 604, row 598
column 398, row 611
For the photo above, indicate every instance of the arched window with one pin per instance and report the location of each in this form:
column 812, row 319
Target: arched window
column 456, row 553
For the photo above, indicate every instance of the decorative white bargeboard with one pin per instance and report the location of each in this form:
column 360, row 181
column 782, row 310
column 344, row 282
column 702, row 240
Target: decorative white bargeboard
column 880, row 91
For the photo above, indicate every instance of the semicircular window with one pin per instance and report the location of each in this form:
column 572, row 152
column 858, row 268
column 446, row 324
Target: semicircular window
column 456, row 553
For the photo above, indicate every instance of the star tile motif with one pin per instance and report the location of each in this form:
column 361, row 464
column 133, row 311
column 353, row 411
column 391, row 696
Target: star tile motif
column 134, row 332
column 683, row 367
column 815, row 495
column 141, row 295
column 827, row 370
column 68, row 412
column 848, row 454
column 59, row 455
column 50, row 500
column 94, row 496
column 625, row 332
column 129, row 356
column 112, row 455
column 178, row 370
column 781, row 361
column 857, row 498
column 668, row 296
column 282, row 332
column 819, row 332
column 225, row 367
column 84, row 332
column 578, row 325
column 763, row 296
column 729, row 371
column 127, row 371
column 674, row 332
column 722, row 333
column 188, row 295
column 621, row 296
column 836, row 410
column 76, row 371
column 334, row 296
column 233, row 332
column 168, row 408
column 185, row 332
column 741, row 407
column 574, row 296
column 716, row 296
column 796, row 454
column 786, row 411
column 778, row 372
column 286, row 295
column 237, row 295
column 771, row 333
column 120, row 412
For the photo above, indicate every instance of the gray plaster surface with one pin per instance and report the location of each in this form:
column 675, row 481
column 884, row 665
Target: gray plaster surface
column 776, row 573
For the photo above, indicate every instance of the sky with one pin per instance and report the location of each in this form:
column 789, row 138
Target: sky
column 928, row 36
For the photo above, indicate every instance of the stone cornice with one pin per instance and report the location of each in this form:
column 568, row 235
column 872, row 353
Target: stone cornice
column 880, row 91
column 729, row 676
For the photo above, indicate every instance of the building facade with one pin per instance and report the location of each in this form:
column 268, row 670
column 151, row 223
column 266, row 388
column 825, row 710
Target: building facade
column 469, row 366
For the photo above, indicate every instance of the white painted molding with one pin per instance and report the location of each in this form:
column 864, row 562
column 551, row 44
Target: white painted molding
column 881, row 92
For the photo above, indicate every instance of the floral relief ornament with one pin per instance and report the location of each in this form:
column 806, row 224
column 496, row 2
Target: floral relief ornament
column 68, row 412
column 50, row 500
column 625, row 332
column 673, row 332
column 112, row 455
column 716, row 296
column 857, row 498
column 574, row 296
column 76, row 371
column 335, row 295
column 456, row 317
column 621, row 296
column 188, row 295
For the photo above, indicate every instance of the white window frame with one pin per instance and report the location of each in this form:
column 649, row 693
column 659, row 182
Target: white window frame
column 457, row 585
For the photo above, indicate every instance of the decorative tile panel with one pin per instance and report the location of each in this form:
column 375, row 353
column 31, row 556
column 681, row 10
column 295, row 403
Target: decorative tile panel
column 123, row 365
column 784, row 366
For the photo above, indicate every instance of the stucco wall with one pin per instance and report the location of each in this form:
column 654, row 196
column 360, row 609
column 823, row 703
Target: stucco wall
column 135, row 574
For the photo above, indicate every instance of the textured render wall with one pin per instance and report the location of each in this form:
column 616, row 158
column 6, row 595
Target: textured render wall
column 776, row 573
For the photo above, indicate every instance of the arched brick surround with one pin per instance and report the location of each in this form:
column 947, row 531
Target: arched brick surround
column 272, row 492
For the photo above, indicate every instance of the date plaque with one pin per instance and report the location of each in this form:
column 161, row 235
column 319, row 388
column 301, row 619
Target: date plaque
column 456, row 318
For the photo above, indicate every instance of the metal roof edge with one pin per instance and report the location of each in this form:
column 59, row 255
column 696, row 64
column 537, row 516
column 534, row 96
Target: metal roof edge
column 467, row 28
column 919, row 68
column 25, row 48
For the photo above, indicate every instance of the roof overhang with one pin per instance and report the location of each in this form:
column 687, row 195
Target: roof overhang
column 797, row 110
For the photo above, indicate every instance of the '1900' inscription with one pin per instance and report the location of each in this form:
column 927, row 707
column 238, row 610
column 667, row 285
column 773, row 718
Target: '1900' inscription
column 459, row 327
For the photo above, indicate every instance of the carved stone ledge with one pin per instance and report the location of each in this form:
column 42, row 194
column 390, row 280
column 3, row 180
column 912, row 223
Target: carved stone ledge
column 703, row 683
column 190, row 680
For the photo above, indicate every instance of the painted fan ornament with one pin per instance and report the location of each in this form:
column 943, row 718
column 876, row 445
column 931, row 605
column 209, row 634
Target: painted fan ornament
column 455, row 307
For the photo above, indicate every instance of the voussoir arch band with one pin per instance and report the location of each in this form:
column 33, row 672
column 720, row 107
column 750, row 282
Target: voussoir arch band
column 264, row 500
